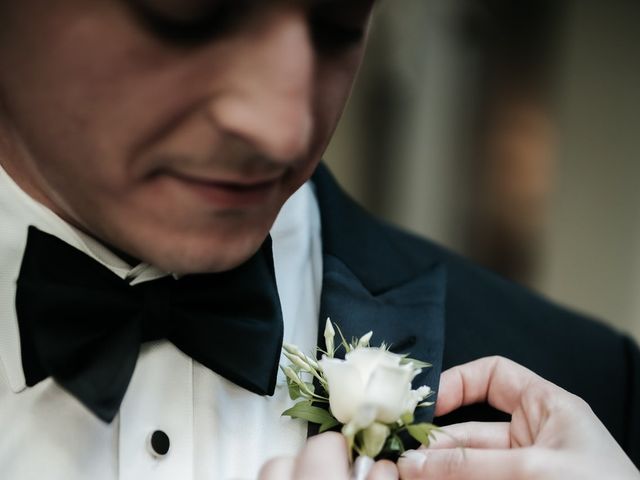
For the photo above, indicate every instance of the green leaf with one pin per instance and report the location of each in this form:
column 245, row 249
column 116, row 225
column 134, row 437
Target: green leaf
column 343, row 341
column 306, row 411
column 328, row 424
column 321, row 351
column 294, row 391
column 407, row 418
column 394, row 444
column 422, row 432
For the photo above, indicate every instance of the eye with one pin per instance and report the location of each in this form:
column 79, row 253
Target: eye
column 330, row 36
column 180, row 25
column 339, row 25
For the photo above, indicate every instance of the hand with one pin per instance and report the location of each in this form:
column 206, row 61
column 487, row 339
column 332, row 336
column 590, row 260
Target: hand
column 323, row 457
column 553, row 435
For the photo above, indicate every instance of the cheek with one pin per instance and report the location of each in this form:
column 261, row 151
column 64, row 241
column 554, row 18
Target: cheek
column 88, row 90
column 333, row 83
column 334, row 80
column 96, row 91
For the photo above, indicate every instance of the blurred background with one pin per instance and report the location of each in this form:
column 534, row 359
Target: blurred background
column 508, row 131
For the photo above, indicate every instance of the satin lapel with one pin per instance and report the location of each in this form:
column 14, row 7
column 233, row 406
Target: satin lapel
column 408, row 317
column 369, row 284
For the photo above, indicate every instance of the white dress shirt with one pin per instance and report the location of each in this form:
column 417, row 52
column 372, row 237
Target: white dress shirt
column 216, row 429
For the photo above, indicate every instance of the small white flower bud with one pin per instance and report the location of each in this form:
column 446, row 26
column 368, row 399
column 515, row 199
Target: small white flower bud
column 312, row 362
column 329, row 335
column 364, row 340
column 304, row 388
column 292, row 375
column 292, row 349
column 298, row 362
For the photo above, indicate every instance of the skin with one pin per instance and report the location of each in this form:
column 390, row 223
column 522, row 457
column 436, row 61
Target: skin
column 177, row 153
column 182, row 154
column 323, row 457
column 553, row 435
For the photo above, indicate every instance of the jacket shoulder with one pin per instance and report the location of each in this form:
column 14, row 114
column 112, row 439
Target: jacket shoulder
column 490, row 315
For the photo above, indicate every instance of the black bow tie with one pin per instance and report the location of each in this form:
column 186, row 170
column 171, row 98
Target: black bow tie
column 83, row 325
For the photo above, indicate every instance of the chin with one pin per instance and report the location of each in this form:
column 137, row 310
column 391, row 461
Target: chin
column 198, row 255
column 177, row 231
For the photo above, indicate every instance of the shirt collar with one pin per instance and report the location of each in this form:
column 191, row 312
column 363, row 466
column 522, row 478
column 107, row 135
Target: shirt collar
column 18, row 211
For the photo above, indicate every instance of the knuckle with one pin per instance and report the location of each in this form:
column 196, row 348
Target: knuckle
column 497, row 361
column 561, row 401
column 498, row 358
column 578, row 403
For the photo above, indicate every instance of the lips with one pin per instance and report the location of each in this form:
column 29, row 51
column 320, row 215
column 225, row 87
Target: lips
column 230, row 194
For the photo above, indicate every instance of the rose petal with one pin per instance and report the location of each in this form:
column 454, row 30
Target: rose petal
column 415, row 397
column 367, row 360
column 346, row 388
column 388, row 389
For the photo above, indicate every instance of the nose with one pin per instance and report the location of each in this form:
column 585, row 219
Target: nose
column 266, row 100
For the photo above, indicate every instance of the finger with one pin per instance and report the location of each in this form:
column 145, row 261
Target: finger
column 383, row 470
column 324, row 456
column 361, row 467
column 462, row 464
column 280, row 468
column 495, row 380
column 473, row 435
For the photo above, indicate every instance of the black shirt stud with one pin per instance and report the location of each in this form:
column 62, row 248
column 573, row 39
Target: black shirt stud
column 158, row 443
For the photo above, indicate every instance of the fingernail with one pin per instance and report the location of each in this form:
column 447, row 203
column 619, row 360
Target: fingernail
column 362, row 467
column 413, row 458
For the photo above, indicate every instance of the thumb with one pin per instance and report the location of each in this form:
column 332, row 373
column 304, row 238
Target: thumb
column 462, row 464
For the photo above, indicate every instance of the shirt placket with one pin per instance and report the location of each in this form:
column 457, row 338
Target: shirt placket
column 156, row 417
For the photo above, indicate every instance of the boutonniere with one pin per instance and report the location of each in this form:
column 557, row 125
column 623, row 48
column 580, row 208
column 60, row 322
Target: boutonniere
column 369, row 393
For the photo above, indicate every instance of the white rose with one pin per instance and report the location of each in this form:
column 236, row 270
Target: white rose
column 370, row 383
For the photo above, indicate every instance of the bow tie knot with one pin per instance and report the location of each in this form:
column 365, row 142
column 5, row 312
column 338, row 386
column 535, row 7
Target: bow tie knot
column 155, row 317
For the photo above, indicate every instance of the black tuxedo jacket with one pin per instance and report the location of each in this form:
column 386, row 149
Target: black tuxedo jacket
column 445, row 310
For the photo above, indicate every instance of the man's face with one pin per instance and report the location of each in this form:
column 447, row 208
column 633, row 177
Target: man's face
column 172, row 138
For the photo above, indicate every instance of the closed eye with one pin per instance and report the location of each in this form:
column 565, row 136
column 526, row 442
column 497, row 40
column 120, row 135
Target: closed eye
column 328, row 36
column 339, row 24
column 190, row 27
column 334, row 24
